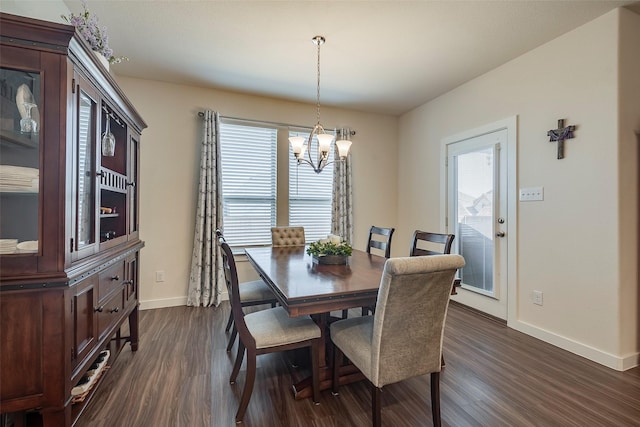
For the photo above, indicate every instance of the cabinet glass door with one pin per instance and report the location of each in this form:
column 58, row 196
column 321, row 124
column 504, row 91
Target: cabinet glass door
column 20, row 131
column 133, row 187
column 85, row 155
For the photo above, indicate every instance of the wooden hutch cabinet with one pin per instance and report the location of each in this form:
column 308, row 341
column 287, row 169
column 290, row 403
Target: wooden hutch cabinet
column 69, row 243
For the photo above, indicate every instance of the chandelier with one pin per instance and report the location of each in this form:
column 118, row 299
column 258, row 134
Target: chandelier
column 301, row 146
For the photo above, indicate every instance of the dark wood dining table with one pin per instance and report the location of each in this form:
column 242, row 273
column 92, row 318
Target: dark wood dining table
column 304, row 287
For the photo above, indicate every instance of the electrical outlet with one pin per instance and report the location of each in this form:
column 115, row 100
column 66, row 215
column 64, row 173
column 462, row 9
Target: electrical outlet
column 160, row 276
column 536, row 297
column 532, row 194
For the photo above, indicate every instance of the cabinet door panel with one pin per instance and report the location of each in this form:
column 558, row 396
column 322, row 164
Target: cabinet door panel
column 84, row 326
column 21, row 320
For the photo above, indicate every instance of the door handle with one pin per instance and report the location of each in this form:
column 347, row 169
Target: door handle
column 500, row 234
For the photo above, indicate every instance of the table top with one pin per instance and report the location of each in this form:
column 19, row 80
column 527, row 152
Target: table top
column 305, row 287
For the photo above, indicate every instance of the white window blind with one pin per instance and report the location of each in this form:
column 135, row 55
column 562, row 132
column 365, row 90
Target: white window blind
column 248, row 183
column 310, row 195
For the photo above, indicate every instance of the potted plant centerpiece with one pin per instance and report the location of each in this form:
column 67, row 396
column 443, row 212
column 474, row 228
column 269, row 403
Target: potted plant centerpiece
column 332, row 250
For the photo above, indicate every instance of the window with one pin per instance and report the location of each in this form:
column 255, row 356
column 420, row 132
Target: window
column 248, row 183
column 310, row 196
column 249, row 178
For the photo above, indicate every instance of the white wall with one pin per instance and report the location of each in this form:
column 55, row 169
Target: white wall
column 569, row 246
column 629, row 124
column 170, row 151
column 47, row 10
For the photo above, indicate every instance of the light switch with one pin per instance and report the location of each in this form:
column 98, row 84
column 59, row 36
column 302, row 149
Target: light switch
column 531, row 194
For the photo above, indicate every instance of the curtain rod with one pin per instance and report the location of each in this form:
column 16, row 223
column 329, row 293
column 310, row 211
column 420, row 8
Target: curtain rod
column 260, row 122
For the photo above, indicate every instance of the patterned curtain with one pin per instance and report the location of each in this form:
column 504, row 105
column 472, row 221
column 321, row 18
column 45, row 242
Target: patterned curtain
column 207, row 277
column 342, row 212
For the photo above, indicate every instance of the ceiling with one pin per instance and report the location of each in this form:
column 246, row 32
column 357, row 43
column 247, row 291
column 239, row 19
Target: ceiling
column 380, row 56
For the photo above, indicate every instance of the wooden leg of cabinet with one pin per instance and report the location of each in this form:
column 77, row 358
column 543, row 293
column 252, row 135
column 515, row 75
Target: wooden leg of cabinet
column 51, row 418
column 133, row 329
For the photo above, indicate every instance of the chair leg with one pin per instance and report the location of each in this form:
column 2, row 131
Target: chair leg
column 229, row 322
column 337, row 363
column 232, row 338
column 238, row 363
column 435, row 399
column 315, row 370
column 345, row 314
column 376, row 409
column 248, row 385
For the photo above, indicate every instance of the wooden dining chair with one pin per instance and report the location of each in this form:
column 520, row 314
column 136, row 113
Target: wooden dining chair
column 255, row 292
column 379, row 239
column 266, row 331
column 403, row 339
column 287, row 236
column 427, row 243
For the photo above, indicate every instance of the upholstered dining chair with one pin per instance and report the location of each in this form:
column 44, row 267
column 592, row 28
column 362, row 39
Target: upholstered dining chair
column 255, row 292
column 403, row 339
column 425, row 243
column 266, row 331
column 380, row 240
column 287, row 236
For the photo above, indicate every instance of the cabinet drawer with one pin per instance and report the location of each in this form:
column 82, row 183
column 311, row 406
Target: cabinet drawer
column 110, row 312
column 110, row 279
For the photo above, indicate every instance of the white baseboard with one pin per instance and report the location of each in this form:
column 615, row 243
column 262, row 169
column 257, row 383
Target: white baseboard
column 163, row 303
column 172, row 302
column 593, row 354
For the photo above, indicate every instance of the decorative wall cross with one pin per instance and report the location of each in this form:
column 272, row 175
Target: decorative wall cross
column 560, row 135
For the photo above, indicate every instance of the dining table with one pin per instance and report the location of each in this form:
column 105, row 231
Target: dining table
column 303, row 286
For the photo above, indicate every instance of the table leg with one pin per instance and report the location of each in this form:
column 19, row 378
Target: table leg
column 303, row 386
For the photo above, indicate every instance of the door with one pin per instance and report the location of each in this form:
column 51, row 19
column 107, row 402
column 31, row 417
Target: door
column 477, row 215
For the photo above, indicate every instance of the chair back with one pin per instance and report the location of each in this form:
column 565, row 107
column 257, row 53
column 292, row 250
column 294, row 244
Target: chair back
column 426, row 243
column 287, row 236
column 231, row 277
column 380, row 238
column 410, row 315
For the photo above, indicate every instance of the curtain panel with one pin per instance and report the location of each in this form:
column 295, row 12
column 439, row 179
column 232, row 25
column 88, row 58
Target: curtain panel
column 206, row 280
column 342, row 203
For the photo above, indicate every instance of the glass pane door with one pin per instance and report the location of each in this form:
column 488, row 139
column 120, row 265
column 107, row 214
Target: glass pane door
column 474, row 226
column 19, row 161
column 477, row 183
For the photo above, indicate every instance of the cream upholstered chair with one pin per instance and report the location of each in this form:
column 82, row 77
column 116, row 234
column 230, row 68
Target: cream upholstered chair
column 252, row 293
column 426, row 243
column 266, row 331
column 287, row 236
column 403, row 339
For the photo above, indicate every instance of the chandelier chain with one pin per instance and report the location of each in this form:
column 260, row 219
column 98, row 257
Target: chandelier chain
column 318, row 86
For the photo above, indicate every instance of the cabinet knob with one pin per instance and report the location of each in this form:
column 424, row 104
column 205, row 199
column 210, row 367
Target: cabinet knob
column 128, row 282
column 114, row 310
column 99, row 309
column 101, row 173
column 131, row 184
column 116, row 277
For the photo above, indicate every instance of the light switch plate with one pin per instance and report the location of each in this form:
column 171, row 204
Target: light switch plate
column 532, row 194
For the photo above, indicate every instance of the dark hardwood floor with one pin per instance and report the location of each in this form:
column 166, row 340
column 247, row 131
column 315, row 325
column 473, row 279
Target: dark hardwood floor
column 494, row 376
